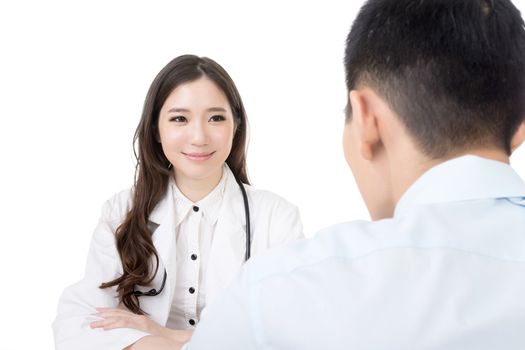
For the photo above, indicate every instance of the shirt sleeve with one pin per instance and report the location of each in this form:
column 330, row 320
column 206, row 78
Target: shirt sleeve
column 285, row 224
column 228, row 322
column 78, row 302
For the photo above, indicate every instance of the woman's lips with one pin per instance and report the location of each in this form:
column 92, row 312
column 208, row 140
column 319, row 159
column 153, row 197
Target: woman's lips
column 198, row 157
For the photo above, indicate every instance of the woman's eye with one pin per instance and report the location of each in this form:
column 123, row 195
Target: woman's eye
column 178, row 119
column 217, row 118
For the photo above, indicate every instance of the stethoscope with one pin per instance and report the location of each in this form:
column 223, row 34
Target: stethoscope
column 153, row 292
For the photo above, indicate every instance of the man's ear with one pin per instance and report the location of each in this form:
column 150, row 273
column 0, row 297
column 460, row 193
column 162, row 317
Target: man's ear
column 365, row 122
column 518, row 138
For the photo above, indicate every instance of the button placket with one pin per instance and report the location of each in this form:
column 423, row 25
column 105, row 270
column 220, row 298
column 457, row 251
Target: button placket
column 194, row 266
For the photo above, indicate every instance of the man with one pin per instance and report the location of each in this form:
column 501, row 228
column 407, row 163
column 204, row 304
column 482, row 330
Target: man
column 436, row 105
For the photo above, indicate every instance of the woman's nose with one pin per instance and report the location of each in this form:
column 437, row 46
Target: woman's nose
column 198, row 134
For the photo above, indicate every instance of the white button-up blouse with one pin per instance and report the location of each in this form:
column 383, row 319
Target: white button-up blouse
column 195, row 226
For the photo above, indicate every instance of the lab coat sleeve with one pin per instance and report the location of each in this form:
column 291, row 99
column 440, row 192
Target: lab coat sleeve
column 78, row 302
column 228, row 322
column 285, row 223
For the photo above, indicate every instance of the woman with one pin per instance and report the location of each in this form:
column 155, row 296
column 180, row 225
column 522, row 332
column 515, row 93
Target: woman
column 165, row 248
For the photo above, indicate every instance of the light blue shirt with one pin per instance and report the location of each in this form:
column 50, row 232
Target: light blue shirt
column 446, row 272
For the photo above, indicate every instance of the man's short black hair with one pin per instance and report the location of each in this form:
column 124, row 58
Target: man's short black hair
column 452, row 70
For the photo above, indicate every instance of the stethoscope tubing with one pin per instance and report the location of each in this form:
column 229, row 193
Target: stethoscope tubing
column 247, row 220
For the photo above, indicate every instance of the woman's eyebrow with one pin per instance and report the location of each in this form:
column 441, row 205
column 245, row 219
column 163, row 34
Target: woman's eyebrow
column 185, row 110
column 216, row 109
column 178, row 110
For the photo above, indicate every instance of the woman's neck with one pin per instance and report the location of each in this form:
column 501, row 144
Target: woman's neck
column 196, row 189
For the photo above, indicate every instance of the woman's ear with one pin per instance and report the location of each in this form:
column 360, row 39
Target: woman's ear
column 518, row 138
column 365, row 122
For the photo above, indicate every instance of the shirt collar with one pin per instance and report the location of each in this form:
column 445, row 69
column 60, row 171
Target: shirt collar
column 460, row 179
column 209, row 205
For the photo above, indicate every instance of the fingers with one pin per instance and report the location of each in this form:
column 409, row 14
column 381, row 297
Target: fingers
column 117, row 318
column 109, row 323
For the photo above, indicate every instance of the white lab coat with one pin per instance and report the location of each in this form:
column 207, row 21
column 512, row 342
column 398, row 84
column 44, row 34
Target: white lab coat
column 273, row 221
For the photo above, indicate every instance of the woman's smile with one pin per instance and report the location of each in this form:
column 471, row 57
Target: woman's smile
column 198, row 156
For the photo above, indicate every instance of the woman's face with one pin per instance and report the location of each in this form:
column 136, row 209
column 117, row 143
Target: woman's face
column 196, row 129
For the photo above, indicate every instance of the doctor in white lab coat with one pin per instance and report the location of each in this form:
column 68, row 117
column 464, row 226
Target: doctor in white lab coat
column 186, row 209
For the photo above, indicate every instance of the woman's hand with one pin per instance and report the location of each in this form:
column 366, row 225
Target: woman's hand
column 118, row 318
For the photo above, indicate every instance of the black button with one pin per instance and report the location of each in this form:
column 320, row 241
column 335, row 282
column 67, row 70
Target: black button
column 192, row 322
column 193, row 256
column 192, row 290
column 195, row 208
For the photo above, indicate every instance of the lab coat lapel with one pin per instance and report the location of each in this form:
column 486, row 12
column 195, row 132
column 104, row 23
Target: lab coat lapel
column 164, row 240
column 229, row 241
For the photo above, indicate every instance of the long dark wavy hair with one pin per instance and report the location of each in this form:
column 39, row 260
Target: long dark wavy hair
column 133, row 238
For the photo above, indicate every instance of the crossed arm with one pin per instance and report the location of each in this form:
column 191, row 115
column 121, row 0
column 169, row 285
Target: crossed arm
column 160, row 338
column 155, row 342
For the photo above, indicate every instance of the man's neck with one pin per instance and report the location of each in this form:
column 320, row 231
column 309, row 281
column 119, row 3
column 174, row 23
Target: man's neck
column 493, row 154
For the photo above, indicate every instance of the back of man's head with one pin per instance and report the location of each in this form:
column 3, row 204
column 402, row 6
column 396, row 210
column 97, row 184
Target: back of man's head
column 452, row 70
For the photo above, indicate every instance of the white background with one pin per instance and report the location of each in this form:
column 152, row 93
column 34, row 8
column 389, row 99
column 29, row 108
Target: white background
column 73, row 77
